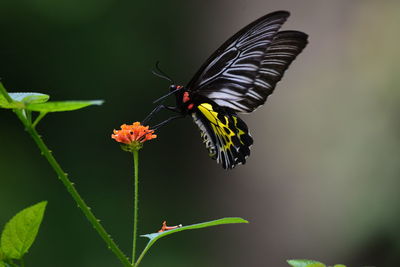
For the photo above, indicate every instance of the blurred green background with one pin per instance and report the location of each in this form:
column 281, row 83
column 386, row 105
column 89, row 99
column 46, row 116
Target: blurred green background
column 322, row 181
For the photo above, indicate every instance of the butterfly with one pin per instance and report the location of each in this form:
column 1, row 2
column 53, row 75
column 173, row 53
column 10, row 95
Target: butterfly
column 237, row 78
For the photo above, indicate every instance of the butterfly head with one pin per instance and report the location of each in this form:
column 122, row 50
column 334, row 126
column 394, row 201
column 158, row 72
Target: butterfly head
column 177, row 90
column 174, row 87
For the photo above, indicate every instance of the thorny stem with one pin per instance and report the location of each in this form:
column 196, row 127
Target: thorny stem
column 68, row 184
column 135, row 203
column 78, row 199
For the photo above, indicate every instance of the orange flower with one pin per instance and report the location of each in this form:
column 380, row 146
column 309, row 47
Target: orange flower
column 133, row 135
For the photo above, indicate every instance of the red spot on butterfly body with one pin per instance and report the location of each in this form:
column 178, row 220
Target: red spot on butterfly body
column 186, row 97
column 190, row 106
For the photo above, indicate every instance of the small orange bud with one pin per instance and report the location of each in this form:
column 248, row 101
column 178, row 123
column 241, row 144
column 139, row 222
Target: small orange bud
column 164, row 227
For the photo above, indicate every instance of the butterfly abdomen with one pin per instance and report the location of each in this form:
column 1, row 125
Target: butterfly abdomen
column 206, row 135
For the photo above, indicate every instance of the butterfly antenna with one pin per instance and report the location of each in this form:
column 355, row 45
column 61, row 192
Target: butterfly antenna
column 159, row 73
column 167, row 95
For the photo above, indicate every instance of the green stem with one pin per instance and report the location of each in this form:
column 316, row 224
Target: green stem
column 68, row 184
column 149, row 244
column 5, row 94
column 18, row 112
column 135, row 202
column 28, row 114
column 41, row 116
column 22, row 262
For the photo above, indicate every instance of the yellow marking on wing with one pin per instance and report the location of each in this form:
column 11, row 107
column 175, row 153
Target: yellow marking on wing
column 221, row 132
column 208, row 111
column 240, row 131
column 220, row 128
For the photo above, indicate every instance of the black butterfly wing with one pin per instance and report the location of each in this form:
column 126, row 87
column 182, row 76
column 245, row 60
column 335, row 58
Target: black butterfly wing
column 245, row 69
column 225, row 135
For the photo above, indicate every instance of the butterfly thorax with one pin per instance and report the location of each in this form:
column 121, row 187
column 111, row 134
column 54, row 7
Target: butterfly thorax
column 185, row 102
column 188, row 102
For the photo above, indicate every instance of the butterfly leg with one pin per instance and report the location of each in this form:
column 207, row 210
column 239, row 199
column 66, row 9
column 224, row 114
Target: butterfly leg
column 167, row 121
column 157, row 109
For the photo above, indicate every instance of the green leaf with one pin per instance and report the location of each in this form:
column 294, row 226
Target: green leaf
column 2, row 264
column 339, row 265
column 195, row 226
column 305, row 263
column 20, row 232
column 155, row 236
column 22, row 99
column 57, row 106
column 29, row 98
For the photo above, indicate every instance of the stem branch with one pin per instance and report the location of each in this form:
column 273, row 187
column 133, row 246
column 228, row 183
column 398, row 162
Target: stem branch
column 149, row 244
column 41, row 116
